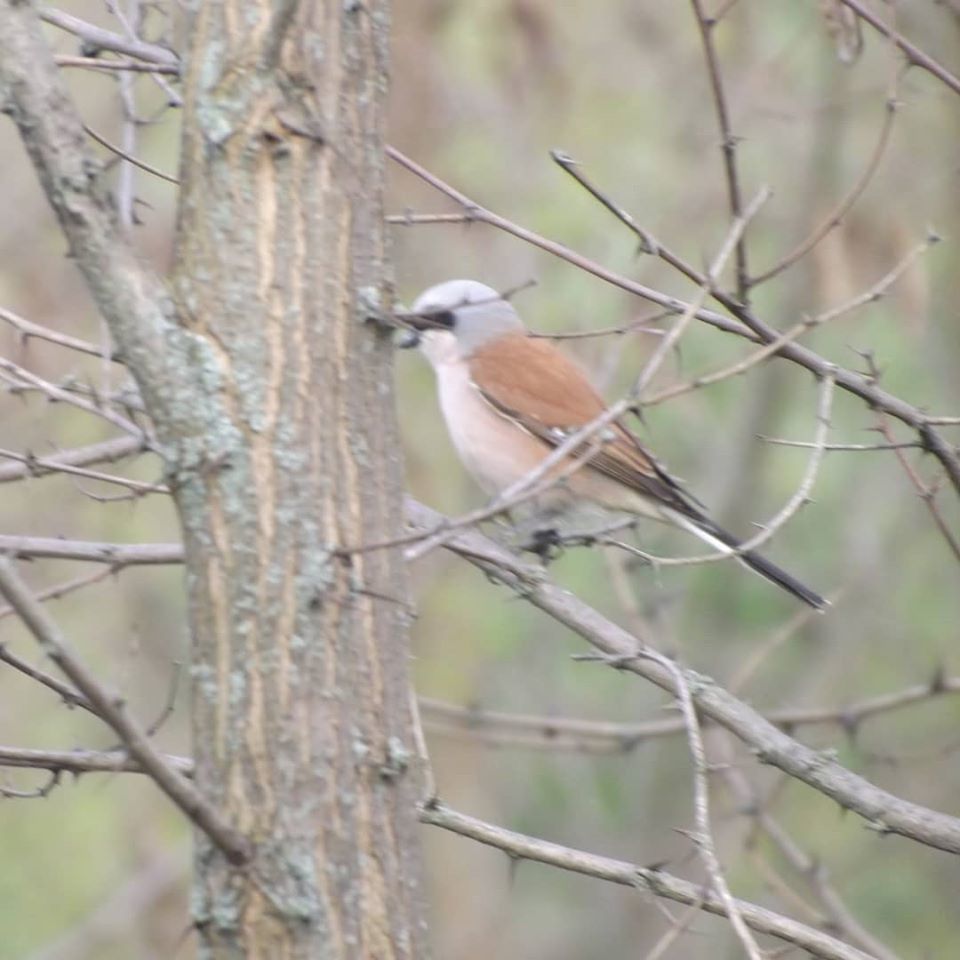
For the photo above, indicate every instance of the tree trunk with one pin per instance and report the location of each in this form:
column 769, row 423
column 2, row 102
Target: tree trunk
column 302, row 726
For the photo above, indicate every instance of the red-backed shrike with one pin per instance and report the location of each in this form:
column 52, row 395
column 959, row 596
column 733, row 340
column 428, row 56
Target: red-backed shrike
column 509, row 399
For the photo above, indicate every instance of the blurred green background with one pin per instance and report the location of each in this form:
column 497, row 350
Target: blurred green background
column 481, row 93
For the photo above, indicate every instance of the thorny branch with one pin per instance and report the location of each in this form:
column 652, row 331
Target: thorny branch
column 28, row 329
column 116, row 555
column 653, row 881
column 749, row 327
column 728, row 142
column 926, row 492
column 108, row 451
column 59, row 394
column 112, row 711
column 49, row 465
column 838, row 915
column 131, row 298
column 108, row 40
column 645, row 879
column 915, row 56
column 566, row 733
column 883, row 811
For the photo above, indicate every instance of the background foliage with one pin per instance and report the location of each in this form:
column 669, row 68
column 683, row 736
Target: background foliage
column 481, row 93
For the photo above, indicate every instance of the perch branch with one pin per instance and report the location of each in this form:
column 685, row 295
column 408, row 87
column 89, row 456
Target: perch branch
column 884, row 812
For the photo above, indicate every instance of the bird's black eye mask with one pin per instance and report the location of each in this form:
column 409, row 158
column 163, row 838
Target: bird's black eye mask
column 435, row 320
column 416, row 323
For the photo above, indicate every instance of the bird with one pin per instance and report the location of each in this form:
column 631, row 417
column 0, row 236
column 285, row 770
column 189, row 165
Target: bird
column 509, row 399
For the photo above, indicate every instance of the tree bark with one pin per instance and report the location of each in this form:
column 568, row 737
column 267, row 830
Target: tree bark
column 271, row 395
column 302, row 727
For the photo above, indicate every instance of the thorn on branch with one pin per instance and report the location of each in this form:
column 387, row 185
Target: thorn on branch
column 38, row 793
column 850, row 724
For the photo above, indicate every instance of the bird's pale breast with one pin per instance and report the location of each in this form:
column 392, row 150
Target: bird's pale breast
column 493, row 449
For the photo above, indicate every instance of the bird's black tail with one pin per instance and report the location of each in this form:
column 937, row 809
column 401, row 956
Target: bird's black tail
column 718, row 537
column 781, row 578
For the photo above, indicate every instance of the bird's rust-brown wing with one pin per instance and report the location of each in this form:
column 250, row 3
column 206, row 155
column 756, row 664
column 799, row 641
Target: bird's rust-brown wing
column 530, row 381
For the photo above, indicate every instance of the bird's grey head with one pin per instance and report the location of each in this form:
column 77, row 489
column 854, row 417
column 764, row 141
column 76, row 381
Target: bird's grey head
column 463, row 315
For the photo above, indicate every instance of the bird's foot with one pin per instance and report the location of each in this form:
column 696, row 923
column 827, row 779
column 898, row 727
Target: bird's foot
column 545, row 542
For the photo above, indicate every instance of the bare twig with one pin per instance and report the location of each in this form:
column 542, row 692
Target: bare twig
column 413, row 219
column 64, row 690
column 107, row 40
column 871, row 295
column 117, row 555
column 707, row 286
column 566, row 733
column 97, row 63
column 50, row 465
column 62, row 589
column 29, row 329
column 130, row 22
column 735, row 369
column 634, row 326
column 107, row 451
column 701, row 805
column 126, row 175
column 66, row 396
column 728, row 142
column 44, row 790
column 480, row 214
column 915, row 55
column 113, row 712
column 675, row 931
column 570, row 166
column 843, row 207
column 124, row 398
column 86, row 761
column 129, row 157
column 926, row 492
column 843, row 447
